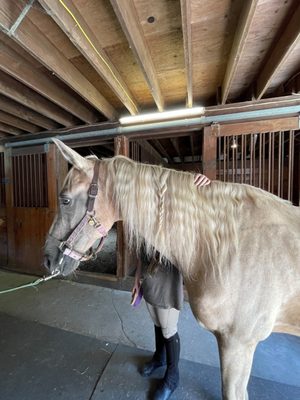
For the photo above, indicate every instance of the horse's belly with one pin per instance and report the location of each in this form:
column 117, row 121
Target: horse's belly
column 288, row 320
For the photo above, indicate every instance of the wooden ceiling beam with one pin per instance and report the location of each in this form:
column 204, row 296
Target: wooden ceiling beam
column 32, row 40
column 18, row 122
column 15, row 65
column 10, row 129
column 163, row 150
column 239, row 41
column 128, row 18
column 3, row 135
column 77, row 30
column 192, row 147
column 26, row 114
column 285, row 44
column 187, row 44
column 17, row 91
column 150, row 149
column 175, row 144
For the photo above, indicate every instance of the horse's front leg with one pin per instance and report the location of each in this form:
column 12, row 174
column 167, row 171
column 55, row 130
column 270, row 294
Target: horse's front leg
column 236, row 361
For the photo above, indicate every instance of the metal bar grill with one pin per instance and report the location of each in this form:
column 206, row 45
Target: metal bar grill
column 265, row 160
column 29, row 180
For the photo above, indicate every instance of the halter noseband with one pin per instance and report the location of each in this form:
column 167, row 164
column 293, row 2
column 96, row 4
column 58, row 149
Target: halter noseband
column 66, row 247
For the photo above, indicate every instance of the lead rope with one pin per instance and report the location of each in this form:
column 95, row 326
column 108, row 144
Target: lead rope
column 32, row 284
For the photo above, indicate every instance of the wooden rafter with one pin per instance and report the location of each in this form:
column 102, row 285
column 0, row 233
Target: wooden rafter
column 3, row 135
column 18, row 122
column 175, row 144
column 192, row 147
column 150, row 149
column 10, row 129
column 70, row 20
column 32, row 40
column 238, row 45
column 15, row 65
column 187, row 44
column 20, row 93
column 26, row 114
column 128, row 18
column 283, row 48
column 163, row 150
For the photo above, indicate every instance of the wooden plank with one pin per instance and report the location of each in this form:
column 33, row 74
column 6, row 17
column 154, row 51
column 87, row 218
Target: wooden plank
column 128, row 18
column 10, row 129
column 244, row 128
column 31, row 39
column 285, row 44
column 175, row 144
column 26, row 114
column 209, row 153
column 263, row 104
column 18, row 122
column 22, row 94
column 151, row 151
column 4, row 134
column 192, row 147
column 163, row 150
column 52, row 176
column 73, row 24
column 9, row 205
column 187, row 44
column 121, row 144
column 15, row 65
column 243, row 28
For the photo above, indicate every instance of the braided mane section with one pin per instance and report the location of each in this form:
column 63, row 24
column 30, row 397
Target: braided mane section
column 161, row 176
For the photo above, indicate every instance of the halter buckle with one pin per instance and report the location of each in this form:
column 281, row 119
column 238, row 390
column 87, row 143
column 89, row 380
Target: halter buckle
column 93, row 190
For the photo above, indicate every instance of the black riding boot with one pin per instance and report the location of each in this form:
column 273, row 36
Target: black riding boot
column 159, row 357
column 171, row 378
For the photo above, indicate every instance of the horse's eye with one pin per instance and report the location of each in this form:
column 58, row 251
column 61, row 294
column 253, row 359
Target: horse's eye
column 65, row 201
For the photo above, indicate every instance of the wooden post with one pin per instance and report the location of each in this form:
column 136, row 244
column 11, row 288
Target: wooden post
column 121, row 144
column 296, row 195
column 9, row 206
column 209, row 153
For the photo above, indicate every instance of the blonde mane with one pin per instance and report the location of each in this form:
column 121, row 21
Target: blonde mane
column 185, row 223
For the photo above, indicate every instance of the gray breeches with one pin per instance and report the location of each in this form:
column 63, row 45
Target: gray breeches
column 166, row 318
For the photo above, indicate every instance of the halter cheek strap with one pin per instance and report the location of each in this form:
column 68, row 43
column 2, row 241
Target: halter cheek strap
column 67, row 246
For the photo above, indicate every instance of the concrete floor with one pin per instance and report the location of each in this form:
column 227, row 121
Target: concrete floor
column 69, row 341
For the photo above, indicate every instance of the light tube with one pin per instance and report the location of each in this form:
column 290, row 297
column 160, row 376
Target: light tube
column 162, row 116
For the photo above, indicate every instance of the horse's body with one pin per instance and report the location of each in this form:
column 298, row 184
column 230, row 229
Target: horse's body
column 237, row 247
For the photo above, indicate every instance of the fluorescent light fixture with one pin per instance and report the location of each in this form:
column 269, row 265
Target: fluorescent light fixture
column 163, row 116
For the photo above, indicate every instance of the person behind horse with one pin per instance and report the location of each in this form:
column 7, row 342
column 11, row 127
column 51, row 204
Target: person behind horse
column 162, row 290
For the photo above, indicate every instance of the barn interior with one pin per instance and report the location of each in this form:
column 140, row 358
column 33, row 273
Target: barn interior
column 196, row 85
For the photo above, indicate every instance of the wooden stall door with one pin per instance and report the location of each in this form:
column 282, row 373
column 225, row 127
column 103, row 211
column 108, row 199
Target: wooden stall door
column 31, row 196
column 3, row 217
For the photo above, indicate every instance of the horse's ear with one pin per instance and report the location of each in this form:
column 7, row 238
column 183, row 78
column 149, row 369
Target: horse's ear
column 72, row 156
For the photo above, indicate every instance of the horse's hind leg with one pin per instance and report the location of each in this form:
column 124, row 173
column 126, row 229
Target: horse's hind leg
column 236, row 362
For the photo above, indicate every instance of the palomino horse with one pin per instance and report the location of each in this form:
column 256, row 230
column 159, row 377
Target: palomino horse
column 238, row 247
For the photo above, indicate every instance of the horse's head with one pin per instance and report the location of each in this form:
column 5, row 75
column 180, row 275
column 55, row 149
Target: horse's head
column 84, row 216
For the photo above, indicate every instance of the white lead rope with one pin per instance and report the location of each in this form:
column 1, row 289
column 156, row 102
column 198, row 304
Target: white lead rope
column 32, row 284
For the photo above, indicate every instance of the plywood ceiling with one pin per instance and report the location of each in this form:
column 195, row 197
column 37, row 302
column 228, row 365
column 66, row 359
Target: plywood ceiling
column 67, row 63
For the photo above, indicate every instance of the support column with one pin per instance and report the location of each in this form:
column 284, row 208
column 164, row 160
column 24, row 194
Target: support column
column 209, row 153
